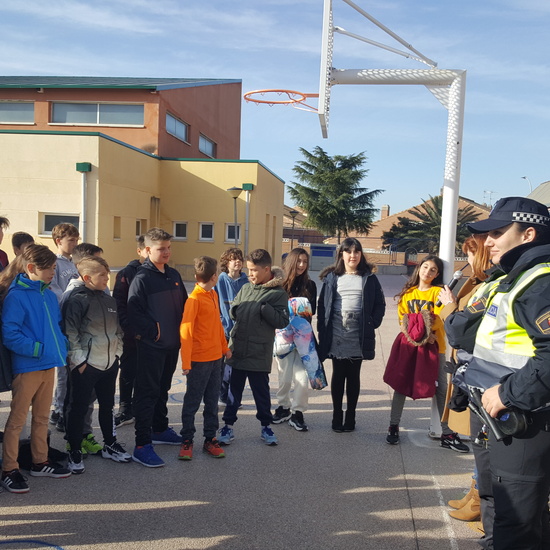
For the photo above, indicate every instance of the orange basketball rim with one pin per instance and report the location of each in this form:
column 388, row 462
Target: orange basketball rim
column 281, row 97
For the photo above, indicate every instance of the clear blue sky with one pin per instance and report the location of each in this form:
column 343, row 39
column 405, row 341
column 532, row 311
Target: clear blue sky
column 503, row 44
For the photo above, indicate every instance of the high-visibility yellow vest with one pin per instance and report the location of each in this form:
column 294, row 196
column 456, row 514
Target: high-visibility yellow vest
column 499, row 338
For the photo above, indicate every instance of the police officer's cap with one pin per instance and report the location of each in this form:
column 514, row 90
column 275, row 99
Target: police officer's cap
column 512, row 209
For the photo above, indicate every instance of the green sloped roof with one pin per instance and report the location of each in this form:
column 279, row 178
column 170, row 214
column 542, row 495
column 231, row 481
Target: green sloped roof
column 108, row 82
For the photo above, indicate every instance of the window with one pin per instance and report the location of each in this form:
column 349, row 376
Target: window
column 16, row 112
column 141, row 227
column 206, row 231
column 230, row 232
column 177, row 128
column 180, row 231
column 207, row 146
column 116, row 114
column 117, row 227
column 49, row 221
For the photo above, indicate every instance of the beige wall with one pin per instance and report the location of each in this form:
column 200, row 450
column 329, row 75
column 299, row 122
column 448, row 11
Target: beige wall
column 195, row 192
column 39, row 175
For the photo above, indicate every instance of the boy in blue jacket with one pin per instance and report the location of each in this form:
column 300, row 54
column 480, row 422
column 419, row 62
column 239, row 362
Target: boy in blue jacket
column 31, row 331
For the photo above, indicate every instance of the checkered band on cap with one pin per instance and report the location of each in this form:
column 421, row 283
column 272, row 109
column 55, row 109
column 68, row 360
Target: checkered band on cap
column 526, row 217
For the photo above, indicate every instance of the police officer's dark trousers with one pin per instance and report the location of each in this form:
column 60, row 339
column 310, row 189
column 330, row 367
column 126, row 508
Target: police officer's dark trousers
column 521, row 484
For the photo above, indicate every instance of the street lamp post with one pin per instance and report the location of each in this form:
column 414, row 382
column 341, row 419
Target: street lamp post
column 529, row 182
column 292, row 214
column 235, row 192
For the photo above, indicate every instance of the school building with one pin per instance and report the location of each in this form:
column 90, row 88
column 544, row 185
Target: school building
column 117, row 156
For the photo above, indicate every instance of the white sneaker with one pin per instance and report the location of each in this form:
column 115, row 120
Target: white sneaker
column 75, row 463
column 116, row 452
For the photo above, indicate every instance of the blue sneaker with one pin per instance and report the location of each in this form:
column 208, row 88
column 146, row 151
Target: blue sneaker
column 226, row 435
column 268, row 436
column 146, row 455
column 167, row 437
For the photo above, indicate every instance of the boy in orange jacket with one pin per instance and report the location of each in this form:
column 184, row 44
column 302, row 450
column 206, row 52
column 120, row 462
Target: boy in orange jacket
column 203, row 347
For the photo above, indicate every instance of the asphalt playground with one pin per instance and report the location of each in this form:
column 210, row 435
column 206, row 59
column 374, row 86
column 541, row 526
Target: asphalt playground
column 315, row 490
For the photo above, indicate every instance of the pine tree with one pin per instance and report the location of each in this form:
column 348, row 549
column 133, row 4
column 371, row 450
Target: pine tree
column 331, row 195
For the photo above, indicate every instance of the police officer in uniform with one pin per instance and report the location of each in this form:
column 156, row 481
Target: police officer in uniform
column 511, row 362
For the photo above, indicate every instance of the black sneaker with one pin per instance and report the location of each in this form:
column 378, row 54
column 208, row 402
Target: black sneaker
column 393, row 435
column 123, row 418
column 452, row 441
column 14, row 482
column 297, row 422
column 54, row 417
column 281, row 415
column 60, row 424
column 49, row 469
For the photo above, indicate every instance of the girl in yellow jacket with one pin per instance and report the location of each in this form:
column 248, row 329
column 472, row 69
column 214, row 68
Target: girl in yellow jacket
column 421, row 292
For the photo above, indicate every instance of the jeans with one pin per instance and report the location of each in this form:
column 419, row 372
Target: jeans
column 259, row 384
column 203, row 382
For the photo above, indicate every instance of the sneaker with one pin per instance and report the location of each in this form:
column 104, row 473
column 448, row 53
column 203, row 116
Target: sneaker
column 82, row 449
column 297, row 422
column 146, row 455
column 115, row 451
column 393, row 434
column 268, row 436
column 212, row 447
column 226, row 435
column 14, row 482
column 186, row 450
column 75, row 464
column 60, row 424
column 452, row 441
column 49, row 469
column 281, row 415
column 90, row 446
column 123, row 418
column 54, row 417
column 167, row 437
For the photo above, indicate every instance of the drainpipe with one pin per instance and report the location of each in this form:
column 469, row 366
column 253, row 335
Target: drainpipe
column 84, row 168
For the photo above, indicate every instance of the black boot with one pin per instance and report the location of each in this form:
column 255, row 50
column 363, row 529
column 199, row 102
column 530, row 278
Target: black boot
column 337, row 419
column 349, row 424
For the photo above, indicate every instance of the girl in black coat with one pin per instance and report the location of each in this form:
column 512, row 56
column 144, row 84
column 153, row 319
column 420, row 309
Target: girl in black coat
column 351, row 306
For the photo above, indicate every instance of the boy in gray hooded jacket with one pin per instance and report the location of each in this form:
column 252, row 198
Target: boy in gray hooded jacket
column 95, row 345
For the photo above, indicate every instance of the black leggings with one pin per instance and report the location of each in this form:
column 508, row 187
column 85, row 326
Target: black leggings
column 345, row 373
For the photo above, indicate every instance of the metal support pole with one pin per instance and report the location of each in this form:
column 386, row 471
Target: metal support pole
column 246, row 223
column 84, row 208
column 235, row 218
column 451, row 184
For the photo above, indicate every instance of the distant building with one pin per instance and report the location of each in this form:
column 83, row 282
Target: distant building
column 541, row 193
column 117, row 156
column 294, row 231
column 373, row 242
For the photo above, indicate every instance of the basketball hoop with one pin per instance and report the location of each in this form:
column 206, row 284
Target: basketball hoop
column 282, row 97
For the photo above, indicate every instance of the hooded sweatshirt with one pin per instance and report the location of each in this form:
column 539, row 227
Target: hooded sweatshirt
column 31, row 326
column 91, row 325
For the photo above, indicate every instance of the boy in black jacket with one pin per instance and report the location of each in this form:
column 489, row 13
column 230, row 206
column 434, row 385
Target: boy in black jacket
column 128, row 360
column 155, row 309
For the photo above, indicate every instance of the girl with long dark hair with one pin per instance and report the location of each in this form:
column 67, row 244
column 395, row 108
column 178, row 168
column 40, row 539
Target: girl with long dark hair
column 351, row 307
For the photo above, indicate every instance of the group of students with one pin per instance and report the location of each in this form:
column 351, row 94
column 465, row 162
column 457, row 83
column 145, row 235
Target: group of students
column 225, row 331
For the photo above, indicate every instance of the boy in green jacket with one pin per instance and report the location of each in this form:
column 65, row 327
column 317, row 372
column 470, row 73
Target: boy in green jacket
column 259, row 308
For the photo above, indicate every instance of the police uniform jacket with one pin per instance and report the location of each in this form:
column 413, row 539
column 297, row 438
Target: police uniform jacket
column 526, row 388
